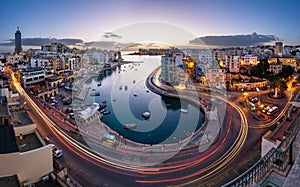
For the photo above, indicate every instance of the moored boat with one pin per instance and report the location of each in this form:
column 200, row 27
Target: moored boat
column 129, row 126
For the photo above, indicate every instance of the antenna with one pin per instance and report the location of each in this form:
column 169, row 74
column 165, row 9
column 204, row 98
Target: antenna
column 18, row 28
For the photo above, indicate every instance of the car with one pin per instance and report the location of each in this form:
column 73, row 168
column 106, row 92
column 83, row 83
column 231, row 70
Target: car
column 265, row 110
column 57, row 152
column 294, row 109
column 53, row 104
column 272, row 110
column 72, row 115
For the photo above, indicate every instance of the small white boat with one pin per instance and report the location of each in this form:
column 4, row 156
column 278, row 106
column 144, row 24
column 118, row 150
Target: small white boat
column 183, row 111
column 129, row 126
column 146, row 115
column 95, row 94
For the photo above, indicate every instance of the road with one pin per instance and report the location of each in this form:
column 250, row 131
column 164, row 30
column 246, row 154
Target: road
column 196, row 168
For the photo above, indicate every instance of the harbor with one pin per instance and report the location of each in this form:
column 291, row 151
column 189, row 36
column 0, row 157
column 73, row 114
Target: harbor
column 156, row 117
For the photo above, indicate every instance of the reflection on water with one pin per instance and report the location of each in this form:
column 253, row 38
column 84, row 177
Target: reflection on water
column 127, row 97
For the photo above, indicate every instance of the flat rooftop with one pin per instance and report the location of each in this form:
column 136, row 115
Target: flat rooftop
column 20, row 118
column 8, row 143
column 10, row 181
column 4, row 111
column 28, row 142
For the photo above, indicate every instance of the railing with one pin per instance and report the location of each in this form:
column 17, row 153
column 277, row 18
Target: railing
column 277, row 158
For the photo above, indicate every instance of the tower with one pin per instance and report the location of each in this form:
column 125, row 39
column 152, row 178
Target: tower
column 18, row 42
column 278, row 48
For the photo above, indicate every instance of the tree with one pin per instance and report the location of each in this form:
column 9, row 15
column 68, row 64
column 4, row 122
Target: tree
column 277, row 83
column 287, row 71
column 261, row 69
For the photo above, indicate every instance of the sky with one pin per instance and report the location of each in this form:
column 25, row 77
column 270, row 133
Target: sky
column 88, row 20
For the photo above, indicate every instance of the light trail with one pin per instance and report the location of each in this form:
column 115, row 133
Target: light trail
column 78, row 148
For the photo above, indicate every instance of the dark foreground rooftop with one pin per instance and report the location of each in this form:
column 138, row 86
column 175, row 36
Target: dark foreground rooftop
column 10, row 181
column 8, row 143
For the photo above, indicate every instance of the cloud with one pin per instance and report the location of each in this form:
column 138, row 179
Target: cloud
column 112, row 45
column 111, row 35
column 234, row 40
column 44, row 41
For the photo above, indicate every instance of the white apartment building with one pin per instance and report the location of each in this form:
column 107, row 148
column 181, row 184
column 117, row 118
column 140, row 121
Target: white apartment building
column 168, row 69
column 38, row 62
column 171, row 69
column 275, row 68
column 215, row 77
column 205, row 58
column 32, row 76
column 249, row 60
column 14, row 59
column 234, row 64
column 220, row 55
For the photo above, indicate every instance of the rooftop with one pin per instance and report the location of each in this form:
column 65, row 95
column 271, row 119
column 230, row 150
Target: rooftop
column 20, row 118
column 8, row 143
column 31, row 69
column 4, row 110
column 28, row 142
column 52, row 78
column 10, row 181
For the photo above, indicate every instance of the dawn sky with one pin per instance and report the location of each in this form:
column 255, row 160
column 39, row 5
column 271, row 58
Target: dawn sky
column 88, row 20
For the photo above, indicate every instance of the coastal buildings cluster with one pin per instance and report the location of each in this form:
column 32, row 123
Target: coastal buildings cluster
column 231, row 68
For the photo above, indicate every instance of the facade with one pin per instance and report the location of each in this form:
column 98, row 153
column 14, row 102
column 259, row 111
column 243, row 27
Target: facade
column 234, row 64
column 73, row 63
column 288, row 61
column 275, row 68
column 172, row 71
column 18, row 42
column 168, row 69
column 219, row 54
column 14, row 59
column 42, row 63
column 205, row 58
column 215, row 77
column 249, row 60
column 278, row 48
column 31, row 76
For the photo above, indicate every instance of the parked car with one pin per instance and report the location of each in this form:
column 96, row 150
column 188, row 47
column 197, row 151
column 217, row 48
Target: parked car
column 265, row 110
column 272, row 110
column 57, row 152
column 72, row 115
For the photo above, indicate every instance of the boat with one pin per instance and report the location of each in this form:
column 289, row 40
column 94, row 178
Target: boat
column 146, row 115
column 129, row 126
column 133, row 81
column 126, row 87
column 93, row 89
column 99, row 84
column 134, row 94
column 120, row 88
column 104, row 101
column 101, row 106
column 183, row 110
column 103, row 110
column 106, row 112
column 95, row 94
